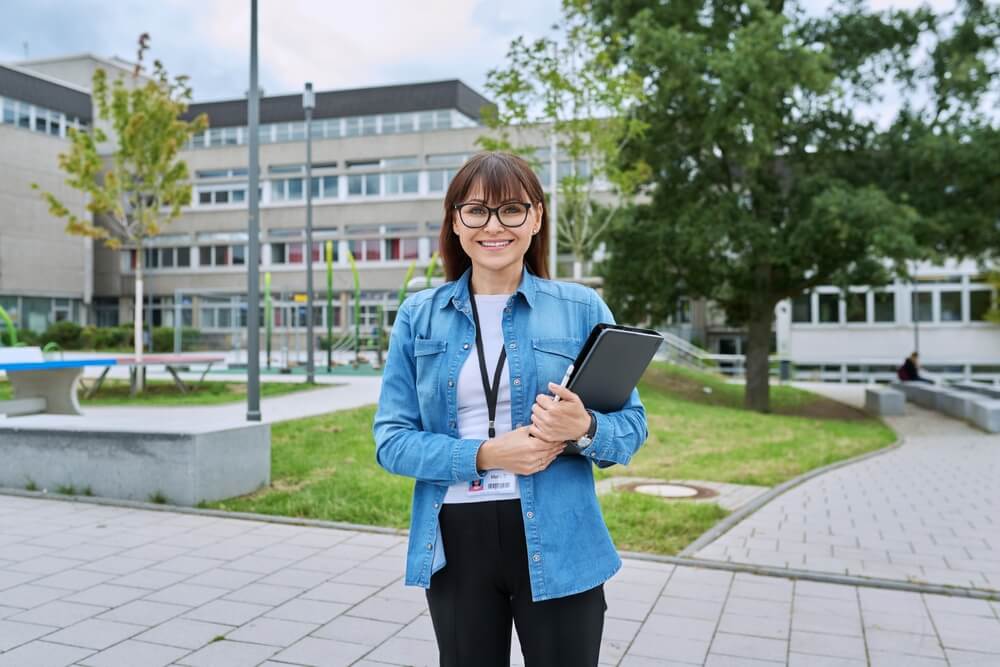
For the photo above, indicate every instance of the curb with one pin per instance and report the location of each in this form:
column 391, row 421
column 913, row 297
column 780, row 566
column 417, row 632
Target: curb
column 198, row 511
column 719, row 529
column 821, row 577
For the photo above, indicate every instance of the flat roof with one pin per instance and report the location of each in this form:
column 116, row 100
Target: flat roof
column 410, row 97
column 45, row 92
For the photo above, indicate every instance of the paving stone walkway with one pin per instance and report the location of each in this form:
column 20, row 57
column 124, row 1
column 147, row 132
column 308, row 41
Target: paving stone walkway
column 927, row 512
column 100, row 586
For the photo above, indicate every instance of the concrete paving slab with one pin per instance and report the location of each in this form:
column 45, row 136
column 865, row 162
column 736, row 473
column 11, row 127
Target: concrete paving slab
column 223, row 616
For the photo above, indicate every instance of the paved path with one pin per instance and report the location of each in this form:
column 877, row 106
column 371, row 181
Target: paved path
column 99, row 586
column 926, row 512
column 351, row 392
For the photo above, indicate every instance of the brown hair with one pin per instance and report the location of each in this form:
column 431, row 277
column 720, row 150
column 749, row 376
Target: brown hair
column 503, row 177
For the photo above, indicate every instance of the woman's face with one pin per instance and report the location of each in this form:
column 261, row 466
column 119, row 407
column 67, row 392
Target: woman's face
column 495, row 247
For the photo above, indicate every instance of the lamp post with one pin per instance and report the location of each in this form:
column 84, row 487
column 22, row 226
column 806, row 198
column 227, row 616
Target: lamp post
column 253, row 241
column 308, row 104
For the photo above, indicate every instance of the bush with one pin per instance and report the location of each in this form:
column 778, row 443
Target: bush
column 24, row 336
column 163, row 338
column 104, row 338
column 64, row 334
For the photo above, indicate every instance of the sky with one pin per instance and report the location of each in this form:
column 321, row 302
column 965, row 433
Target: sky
column 333, row 43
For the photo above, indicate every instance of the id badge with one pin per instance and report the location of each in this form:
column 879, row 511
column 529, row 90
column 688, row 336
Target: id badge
column 496, row 483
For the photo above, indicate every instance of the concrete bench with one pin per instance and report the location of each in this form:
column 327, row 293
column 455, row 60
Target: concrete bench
column 884, row 401
column 51, row 384
column 957, row 404
column 988, row 390
column 920, row 393
column 137, row 454
column 986, row 415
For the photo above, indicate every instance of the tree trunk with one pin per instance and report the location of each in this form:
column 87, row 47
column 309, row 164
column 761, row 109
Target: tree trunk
column 137, row 323
column 757, row 395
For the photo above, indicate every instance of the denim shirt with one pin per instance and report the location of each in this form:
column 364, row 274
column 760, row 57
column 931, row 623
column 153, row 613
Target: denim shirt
column 416, row 427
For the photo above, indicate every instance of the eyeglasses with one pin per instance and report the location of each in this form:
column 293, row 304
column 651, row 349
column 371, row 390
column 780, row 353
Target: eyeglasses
column 475, row 215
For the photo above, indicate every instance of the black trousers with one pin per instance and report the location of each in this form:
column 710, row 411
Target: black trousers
column 485, row 585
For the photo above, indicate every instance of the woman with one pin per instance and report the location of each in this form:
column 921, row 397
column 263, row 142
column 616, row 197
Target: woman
column 503, row 528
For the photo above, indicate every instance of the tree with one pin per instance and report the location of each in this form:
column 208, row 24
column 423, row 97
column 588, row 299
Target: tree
column 769, row 175
column 567, row 87
column 144, row 185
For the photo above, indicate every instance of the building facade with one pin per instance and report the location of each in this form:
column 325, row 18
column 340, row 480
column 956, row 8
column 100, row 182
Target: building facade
column 45, row 274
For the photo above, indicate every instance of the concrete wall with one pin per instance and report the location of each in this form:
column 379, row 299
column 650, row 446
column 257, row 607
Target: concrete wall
column 37, row 256
column 185, row 468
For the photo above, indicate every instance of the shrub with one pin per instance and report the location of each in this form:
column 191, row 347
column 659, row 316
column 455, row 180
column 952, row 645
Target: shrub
column 64, row 334
column 163, row 338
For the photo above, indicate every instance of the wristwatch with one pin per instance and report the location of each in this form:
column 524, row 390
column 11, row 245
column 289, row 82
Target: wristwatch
column 588, row 437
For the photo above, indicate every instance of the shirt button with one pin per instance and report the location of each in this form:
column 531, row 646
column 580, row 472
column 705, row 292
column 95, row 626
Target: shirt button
column 451, row 383
column 430, row 546
column 531, row 515
column 536, row 557
column 513, row 346
column 517, row 380
column 452, row 424
column 465, row 347
column 437, row 505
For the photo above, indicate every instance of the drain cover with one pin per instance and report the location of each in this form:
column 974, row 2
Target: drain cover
column 668, row 490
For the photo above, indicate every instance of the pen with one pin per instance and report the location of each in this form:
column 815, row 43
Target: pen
column 569, row 371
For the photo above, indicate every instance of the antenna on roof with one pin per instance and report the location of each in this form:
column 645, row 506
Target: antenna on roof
column 25, row 45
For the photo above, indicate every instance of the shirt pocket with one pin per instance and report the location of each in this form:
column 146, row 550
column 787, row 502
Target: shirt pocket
column 428, row 354
column 552, row 357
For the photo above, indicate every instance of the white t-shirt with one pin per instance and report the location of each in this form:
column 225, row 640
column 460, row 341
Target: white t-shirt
column 473, row 415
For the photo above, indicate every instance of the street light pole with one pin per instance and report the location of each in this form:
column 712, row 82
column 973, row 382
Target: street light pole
column 308, row 104
column 253, row 241
column 553, row 204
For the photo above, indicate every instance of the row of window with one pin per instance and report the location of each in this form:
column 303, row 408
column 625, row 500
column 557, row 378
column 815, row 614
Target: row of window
column 880, row 307
column 38, row 119
column 334, row 128
column 281, row 253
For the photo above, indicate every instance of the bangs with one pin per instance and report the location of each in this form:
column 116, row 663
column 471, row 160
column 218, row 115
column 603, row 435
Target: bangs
column 496, row 179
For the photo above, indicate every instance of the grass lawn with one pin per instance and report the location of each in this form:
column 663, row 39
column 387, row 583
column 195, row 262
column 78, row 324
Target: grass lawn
column 165, row 392
column 324, row 467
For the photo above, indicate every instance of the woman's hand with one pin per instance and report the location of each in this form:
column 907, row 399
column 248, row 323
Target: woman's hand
column 517, row 452
column 559, row 421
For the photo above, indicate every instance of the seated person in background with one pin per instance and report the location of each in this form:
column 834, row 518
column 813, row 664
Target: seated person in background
column 910, row 370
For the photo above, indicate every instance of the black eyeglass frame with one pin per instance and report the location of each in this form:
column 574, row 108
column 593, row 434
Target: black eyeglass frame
column 491, row 211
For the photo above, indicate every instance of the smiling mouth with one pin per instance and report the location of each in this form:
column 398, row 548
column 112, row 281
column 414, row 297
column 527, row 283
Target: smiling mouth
column 495, row 244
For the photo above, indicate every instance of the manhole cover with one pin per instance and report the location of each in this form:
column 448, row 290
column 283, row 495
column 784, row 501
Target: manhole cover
column 668, row 490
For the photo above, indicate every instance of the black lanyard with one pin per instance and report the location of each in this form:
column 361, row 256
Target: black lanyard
column 492, row 392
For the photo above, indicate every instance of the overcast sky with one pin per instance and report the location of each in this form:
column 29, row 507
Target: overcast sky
column 334, row 44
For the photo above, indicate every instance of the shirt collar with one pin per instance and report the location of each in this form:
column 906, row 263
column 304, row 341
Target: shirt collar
column 459, row 296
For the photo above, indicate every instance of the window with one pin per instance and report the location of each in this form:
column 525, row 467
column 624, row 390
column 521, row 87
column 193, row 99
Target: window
column 365, row 249
column 167, row 258
column 951, row 306
column 295, row 253
column 239, row 255
column 230, row 136
column 363, row 184
column 401, row 248
column 221, row 255
column 205, row 255
column 368, row 124
column 856, row 305
column 390, row 124
column 278, row 253
column 979, row 304
column 923, row 307
column 215, row 136
column 829, row 308
column 183, row 257
column 198, row 140
column 9, row 112
column 352, row 127
column 439, row 179
column 297, row 131
column 294, row 188
column 401, row 182
column 330, row 188
column 885, row 307
column 802, row 309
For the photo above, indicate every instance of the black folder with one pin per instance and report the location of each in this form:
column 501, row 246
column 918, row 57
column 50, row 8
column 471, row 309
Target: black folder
column 610, row 364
